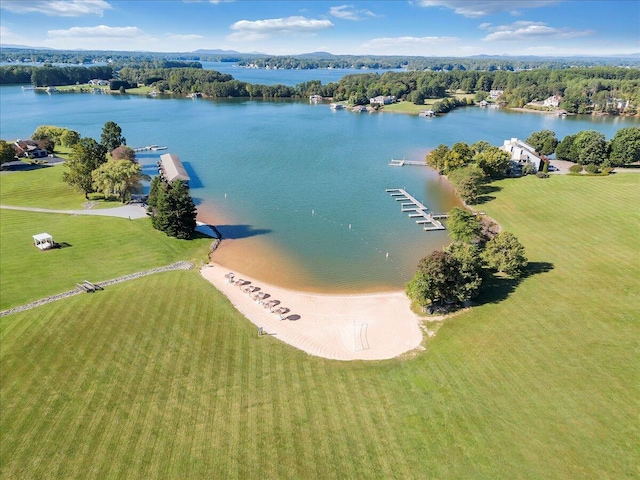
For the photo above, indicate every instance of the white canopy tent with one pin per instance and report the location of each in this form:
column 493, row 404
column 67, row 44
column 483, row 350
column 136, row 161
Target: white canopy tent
column 43, row 241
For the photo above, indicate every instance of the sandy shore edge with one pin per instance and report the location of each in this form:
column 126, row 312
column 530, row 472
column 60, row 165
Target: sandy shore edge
column 374, row 326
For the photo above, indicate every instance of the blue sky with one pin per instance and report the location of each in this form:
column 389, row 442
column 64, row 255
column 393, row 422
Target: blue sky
column 392, row 27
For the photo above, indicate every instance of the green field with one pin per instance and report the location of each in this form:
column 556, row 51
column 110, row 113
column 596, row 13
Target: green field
column 413, row 109
column 161, row 378
column 43, row 188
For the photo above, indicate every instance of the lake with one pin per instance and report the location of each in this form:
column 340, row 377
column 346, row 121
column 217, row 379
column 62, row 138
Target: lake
column 298, row 190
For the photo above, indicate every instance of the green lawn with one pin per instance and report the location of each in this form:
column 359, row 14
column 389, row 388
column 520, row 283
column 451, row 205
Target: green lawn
column 413, row 109
column 161, row 378
column 99, row 248
column 44, row 188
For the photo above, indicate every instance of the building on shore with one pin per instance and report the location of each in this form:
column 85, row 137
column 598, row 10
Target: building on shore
column 522, row 153
column 170, row 168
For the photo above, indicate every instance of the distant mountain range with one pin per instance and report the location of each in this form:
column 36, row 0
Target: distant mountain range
column 326, row 55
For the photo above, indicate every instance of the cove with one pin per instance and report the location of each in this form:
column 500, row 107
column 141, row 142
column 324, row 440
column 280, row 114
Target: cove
column 298, row 190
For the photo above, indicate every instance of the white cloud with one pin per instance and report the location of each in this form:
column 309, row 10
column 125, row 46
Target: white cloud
column 529, row 30
column 187, row 37
column 7, row 36
column 407, row 45
column 100, row 31
column 261, row 29
column 479, row 8
column 348, row 12
column 57, row 8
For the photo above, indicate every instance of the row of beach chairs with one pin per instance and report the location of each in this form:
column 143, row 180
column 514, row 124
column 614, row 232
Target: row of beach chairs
column 263, row 298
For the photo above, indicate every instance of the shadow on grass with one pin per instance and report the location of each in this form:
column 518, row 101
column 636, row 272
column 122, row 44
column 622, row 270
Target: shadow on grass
column 484, row 192
column 497, row 289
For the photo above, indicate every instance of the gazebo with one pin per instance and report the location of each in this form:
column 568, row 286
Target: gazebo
column 43, row 241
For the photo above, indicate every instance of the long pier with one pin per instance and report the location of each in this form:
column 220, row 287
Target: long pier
column 152, row 148
column 403, row 162
column 416, row 209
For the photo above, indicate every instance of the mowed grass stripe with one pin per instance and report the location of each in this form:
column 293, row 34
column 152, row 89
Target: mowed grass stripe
column 536, row 384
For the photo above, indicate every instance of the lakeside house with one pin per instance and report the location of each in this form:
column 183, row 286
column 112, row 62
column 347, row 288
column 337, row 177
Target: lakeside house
column 522, row 153
column 315, row 98
column 29, row 149
column 170, row 168
column 552, row 101
column 495, row 94
column 383, row 100
column 99, row 82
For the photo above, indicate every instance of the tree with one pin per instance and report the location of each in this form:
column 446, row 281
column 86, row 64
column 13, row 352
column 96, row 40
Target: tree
column 505, row 254
column 85, row 157
column 437, row 157
column 564, row 150
column 69, row 138
column 480, row 146
column 111, row 137
column 494, row 162
column 117, row 177
column 463, row 225
column 175, row 211
column 469, row 270
column 441, row 277
column 625, row 147
column 124, row 153
column 544, row 141
column 590, row 146
column 7, row 152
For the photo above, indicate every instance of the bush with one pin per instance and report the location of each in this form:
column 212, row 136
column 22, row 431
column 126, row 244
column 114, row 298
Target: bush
column 577, row 168
column 542, row 175
column 591, row 168
column 606, row 170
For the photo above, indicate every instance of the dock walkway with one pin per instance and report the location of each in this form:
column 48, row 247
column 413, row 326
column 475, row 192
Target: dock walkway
column 401, row 163
column 416, row 209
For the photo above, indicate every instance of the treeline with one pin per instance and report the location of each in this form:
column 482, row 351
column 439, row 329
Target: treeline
column 314, row 61
column 583, row 89
column 52, row 76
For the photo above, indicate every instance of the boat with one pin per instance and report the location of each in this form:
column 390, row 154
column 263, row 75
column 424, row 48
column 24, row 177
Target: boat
column 336, row 106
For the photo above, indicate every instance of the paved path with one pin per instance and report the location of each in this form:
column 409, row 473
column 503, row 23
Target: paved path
column 126, row 211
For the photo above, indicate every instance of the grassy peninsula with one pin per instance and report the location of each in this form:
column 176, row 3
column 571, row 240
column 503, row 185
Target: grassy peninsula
column 162, row 377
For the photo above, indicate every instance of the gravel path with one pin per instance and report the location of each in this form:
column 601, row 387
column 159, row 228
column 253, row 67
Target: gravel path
column 126, row 211
column 175, row 266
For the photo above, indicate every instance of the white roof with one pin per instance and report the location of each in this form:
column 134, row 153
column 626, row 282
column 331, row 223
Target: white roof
column 173, row 168
column 42, row 236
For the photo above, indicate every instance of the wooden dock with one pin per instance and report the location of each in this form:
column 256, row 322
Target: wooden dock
column 403, row 162
column 152, row 148
column 416, row 209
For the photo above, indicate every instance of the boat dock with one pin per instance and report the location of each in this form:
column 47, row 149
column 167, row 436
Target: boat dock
column 152, row 148
column 403, row 162
column 416, row 209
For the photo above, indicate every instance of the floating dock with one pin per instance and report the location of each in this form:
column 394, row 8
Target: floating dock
column 152, row 148
column 416, row 209
column 403, row 162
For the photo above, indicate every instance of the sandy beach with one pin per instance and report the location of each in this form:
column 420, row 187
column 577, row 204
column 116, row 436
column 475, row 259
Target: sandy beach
column 342, row 327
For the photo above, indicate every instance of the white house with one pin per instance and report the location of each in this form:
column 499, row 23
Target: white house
column 495, row 94
column 552, row 101
column 521, row 153
column 382, row 100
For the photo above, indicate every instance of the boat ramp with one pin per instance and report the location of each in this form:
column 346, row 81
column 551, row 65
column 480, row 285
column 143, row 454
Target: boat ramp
column 415, row 209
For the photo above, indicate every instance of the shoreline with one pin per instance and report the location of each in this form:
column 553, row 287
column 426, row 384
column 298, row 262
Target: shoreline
column 374, row 326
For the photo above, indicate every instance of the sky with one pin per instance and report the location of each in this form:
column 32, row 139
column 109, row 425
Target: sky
column 392, row 27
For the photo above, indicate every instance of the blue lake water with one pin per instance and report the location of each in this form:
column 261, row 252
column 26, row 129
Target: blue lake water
column 298, row 189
